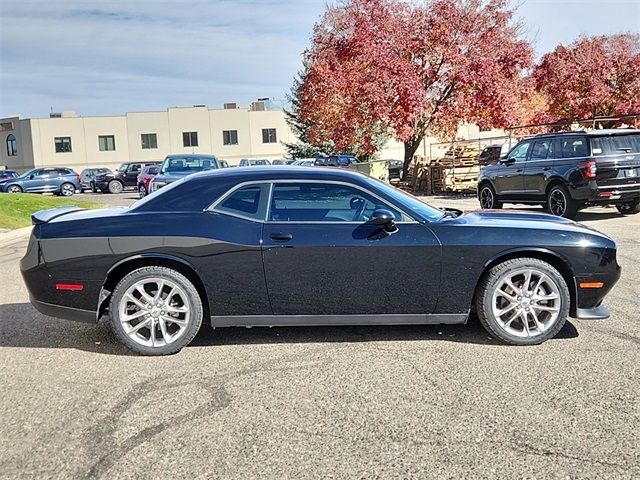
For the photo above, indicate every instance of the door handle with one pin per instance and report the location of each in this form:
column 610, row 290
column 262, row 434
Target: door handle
column 519, row 170
column 281, row 237
column 546, row 168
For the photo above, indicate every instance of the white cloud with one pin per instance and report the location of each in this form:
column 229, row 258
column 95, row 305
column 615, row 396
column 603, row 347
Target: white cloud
column 110, row 57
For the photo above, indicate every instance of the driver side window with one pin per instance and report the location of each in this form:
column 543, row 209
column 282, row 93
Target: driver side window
column 323, row 202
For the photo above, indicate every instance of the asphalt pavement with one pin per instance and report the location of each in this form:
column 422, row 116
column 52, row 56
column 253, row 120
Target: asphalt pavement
column 339, row 402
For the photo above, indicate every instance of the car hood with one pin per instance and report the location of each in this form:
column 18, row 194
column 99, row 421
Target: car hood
column 527, row 220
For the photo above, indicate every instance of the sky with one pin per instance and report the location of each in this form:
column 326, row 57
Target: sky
column 108, row 57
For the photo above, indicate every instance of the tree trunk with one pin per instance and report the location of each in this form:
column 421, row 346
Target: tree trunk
column 410, row 147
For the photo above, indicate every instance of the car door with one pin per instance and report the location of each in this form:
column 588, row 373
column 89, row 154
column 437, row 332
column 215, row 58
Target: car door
column 321, row 257
column 131, row 175
column 46, row 181
column 538, row 166
column 509, row 178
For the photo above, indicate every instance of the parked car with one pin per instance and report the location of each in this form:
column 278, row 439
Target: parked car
column 145, row 177
column 566, row 172
column 252, row 162
column 198, row 246
column 395, row 169
column 283, row 161
column 7, row 175
column 335, row 161
column 58, row 180
column 304, row 162
column 223, row 163
column 176, row 167
column 126, row 176
column 88, row 175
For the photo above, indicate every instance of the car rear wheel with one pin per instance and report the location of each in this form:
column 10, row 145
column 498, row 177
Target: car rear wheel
column 629, row 208
column 115, row 186
column 560, row 203
column 155, row 311
column 523, row 301
column 67, row 189
column 14, row 189
column 142, row 191
column 488, row 198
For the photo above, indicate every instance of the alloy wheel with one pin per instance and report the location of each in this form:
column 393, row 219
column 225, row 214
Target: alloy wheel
column 142, row 191
column 154, row 312
column 557, row 202
column 486, row 198
column 14, row 189
column 526, row 303
column 67, row 190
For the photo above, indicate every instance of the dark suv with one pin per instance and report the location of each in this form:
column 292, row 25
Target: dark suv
column 565, row 172
column 125, row 176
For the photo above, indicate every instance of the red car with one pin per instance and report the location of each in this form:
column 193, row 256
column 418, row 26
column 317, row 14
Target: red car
column 144, row 178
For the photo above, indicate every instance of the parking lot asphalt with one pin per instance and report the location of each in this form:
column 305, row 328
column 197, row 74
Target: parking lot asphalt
column 339, row 402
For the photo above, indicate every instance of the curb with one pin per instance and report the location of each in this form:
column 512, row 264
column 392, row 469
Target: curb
column 6, row 237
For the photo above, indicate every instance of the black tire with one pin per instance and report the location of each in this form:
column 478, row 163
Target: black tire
column 629, row 208
column 115, row 186
column 67, row 189
column 560, row 203
column 192, row 297
column 488, row 198
column 14, row 189
column 94, row 189
column 495, row 278
column 142, row 191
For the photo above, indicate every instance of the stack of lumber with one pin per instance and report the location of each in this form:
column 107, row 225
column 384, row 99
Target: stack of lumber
column 456, row 171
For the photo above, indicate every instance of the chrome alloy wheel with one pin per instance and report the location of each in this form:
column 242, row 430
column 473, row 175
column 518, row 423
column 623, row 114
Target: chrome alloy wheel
column 486, row 198
column 526, row 303
column 557, row 202
column 154, row 312
column 67, row 190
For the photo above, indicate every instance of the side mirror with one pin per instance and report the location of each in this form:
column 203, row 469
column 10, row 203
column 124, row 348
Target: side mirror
column 507, row 161
column 31, row 177
column 384, row 218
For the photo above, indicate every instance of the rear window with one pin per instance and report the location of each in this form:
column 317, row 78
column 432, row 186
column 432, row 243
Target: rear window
column 615, row 144
column 187, row 164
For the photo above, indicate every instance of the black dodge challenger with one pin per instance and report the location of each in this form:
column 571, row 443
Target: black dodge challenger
column 310, row 246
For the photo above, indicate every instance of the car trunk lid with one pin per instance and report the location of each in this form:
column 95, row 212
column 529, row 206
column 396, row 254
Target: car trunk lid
column 45, row 216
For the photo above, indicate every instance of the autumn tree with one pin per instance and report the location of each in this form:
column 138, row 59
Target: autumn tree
column 594, row 76
column 411, row 70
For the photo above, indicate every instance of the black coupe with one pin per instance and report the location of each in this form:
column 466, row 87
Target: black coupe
column 305, row 246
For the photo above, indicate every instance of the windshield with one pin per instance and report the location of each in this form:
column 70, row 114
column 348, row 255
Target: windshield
column 187, row 165
column 410, row 203
column 27, row 173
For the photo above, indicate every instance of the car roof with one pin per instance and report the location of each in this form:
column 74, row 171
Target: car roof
column 284, row 172
column 191, row 155
column 591, row 133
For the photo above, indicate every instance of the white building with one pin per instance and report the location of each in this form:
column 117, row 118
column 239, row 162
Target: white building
column 69, row 140
column 230, row 133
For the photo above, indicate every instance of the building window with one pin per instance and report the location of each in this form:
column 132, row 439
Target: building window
column 229, row 137
column 63, row 144
column 106, row 143
column 149, row 140
column 269, row 135
column 190, row 139
column 12, row 146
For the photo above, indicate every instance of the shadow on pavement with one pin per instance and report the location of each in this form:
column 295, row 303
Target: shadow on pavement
column 23, row 327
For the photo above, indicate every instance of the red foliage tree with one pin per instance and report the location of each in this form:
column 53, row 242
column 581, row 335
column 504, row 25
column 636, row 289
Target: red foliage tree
column 595, row 76
column 385, row 66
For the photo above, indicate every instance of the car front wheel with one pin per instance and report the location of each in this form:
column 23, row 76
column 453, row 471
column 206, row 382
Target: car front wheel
column 115, row 186
column 142, row 191
column 629, row 208
column 155, row 311
column 14, row 189
column 523, row 301
column 488, row 198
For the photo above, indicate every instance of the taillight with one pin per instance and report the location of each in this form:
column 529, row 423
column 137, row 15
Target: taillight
column 590, row 169
column 78, row 177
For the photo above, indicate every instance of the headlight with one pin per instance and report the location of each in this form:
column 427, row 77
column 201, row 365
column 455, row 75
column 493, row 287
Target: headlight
column 157, row 185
